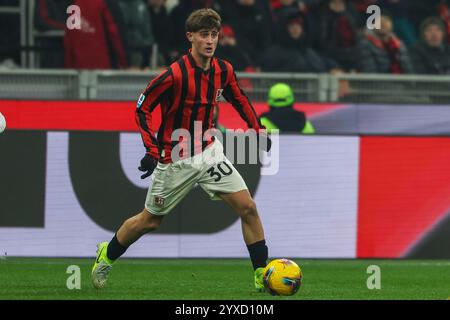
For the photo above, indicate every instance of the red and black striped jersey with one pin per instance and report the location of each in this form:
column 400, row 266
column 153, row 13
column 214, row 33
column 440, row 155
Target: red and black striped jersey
column 187, row 95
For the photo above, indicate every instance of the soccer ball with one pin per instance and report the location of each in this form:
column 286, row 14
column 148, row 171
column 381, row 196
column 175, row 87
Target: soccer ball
column 282, row 277
column 2, row 123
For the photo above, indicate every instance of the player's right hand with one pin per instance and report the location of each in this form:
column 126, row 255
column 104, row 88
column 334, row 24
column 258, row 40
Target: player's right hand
column 148, row 164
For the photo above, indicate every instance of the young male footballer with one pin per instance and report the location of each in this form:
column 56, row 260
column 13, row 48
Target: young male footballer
column 188, row 92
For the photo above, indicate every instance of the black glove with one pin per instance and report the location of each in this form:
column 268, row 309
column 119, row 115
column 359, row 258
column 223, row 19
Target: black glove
column 148, row 164
column 266, row 136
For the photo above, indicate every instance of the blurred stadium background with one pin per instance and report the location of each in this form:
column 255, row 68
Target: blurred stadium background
column 372, row 182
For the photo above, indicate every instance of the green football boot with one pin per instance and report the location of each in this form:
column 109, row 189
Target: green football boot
column 259, row 283
column 102, row 267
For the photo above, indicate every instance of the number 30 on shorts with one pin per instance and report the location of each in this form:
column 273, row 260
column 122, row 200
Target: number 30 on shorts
column 219, row 170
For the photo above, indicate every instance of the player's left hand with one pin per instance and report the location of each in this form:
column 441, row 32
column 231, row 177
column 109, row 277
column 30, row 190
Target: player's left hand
column 264, row 135
column 148, row 164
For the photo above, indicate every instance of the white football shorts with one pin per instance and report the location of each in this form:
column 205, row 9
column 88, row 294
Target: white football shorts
column 211, row 170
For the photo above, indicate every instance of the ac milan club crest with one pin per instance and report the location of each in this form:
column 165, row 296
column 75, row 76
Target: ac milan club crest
column 159, row 201
column 218, row 94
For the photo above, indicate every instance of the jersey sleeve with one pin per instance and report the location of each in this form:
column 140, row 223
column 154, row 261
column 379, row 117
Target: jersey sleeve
column 239, row 100
column 147, row 102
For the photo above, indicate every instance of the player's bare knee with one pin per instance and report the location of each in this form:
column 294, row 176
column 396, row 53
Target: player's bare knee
column 248, row 210
column 150, row 222
column 151, row 226
column 132, row 225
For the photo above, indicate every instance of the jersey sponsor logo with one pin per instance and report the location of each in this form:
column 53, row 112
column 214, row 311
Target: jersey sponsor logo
column 218, row 94
column 140, row 101
column 159, row 201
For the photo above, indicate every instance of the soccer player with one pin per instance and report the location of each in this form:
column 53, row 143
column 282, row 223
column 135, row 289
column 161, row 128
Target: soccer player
column 187, row 93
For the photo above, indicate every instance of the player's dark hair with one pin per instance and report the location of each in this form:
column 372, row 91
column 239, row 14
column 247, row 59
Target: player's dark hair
column 203, row 19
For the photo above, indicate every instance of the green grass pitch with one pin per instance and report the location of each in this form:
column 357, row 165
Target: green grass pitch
column 45, row 278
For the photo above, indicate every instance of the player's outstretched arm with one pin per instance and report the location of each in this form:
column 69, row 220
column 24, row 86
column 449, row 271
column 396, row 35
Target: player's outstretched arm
column 239, row 100
column 148, row 101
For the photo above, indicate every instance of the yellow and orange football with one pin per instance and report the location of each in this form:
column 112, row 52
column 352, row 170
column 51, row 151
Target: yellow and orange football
column 282, row 277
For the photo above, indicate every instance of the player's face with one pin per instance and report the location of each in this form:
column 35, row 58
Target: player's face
column 204, row 42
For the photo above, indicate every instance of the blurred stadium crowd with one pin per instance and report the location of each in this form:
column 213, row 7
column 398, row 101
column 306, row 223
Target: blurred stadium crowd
column 317, row 36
